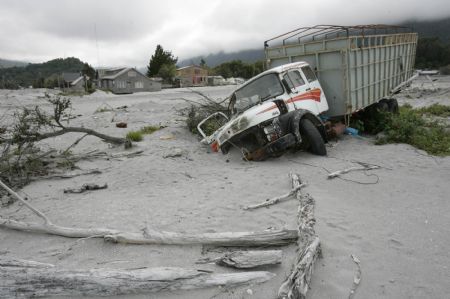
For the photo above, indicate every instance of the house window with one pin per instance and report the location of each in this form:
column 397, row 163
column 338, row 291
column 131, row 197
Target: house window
column 138, row 84
column 121, row 84
column 131, row 74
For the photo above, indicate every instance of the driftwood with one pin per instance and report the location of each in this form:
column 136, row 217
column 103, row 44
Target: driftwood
column 86, row 187
column 364, row 166
column 275, row 200
column 262, row 238
column 297, row 284
column 356, row 278
column 26, row 279
column 247, row 259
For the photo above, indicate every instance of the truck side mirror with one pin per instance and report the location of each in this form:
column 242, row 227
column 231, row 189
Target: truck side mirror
column 286, row 86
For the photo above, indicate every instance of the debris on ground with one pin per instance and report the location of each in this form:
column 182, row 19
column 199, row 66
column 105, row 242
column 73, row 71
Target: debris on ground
column 86, row 187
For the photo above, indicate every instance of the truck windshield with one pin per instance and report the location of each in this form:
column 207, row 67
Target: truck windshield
column 266, row 87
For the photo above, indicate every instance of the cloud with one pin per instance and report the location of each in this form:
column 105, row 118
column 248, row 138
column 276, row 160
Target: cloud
column 119, row 32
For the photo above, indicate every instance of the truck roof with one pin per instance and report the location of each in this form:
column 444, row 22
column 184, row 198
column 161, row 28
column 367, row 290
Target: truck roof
column 277, row 70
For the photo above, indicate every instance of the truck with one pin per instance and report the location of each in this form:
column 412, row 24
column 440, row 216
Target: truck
column 316, row 76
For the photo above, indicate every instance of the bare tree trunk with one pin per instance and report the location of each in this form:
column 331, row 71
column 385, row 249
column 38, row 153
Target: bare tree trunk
column 297, row 284
column 248, row 259
column 261, row 238
column 25, row 279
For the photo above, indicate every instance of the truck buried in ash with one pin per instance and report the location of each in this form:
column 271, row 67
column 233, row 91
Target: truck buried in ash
column 317, row 77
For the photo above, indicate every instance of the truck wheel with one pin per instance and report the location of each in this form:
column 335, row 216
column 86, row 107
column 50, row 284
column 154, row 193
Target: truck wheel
column 312, row 139
column 393, row 105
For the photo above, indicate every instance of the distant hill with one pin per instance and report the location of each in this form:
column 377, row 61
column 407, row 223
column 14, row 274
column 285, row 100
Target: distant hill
column 213, row 60
column 436, row 28
column 5, row 63
column 14, row 77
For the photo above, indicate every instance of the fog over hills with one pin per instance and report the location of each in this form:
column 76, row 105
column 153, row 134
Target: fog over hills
column 436, row 28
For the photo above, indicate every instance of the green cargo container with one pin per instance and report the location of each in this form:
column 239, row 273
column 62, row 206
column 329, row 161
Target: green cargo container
column 356, row 65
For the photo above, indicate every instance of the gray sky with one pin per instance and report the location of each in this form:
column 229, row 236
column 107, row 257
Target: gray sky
column 127, row 32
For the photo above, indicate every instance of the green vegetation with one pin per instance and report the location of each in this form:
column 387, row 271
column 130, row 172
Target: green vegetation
column 139, row 135
column 432, row 53
column 237, row 68
column 162, row 64
column 436, row 109
column 410, row 126
column 44, row 75
column 150, row 129
column 135, row 136
column 195, row 114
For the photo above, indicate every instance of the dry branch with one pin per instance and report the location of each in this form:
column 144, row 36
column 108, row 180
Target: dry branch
column 356, row 278
column 275, row 200
column 363, row 166
column 261, row 238
column 25, row 279
column 297, row 284
column 248, row 259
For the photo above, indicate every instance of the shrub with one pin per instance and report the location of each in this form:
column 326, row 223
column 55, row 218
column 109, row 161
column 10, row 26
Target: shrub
column 150, row 129
column 410, row 127
column 135, row 136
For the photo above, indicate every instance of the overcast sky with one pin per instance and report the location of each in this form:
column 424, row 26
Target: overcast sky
column 119, row 32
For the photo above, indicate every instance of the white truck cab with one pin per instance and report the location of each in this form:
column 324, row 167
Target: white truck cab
column 273, row 111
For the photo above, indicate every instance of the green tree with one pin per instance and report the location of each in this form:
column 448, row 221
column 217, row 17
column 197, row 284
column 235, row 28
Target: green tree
column 167, row 72
column 432, row 53
column 158, row 59
column 202, row 62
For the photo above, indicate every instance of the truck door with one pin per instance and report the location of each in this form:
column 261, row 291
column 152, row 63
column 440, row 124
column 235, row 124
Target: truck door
column 314, row 89
column 300, row 97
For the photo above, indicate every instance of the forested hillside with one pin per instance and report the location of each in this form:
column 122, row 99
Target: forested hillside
column 39, row 74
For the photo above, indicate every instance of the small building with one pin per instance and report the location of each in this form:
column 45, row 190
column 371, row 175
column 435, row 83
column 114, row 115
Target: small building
column 192, row 75
column 74, row 81
column 126, row 80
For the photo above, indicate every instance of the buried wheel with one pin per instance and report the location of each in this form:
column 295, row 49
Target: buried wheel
column 312, row 139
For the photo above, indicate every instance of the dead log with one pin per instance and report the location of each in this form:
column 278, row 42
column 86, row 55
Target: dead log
column 24, row 281
column 261, row 238
column 297, row 284
column 275, row 200
column 248, row 259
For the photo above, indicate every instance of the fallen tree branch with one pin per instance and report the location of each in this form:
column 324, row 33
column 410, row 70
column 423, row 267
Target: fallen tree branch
column 297, row 284
column 64, row 130
column 24, row 202
column 356, row 278
column 247, row 259
column 355, row 168
column 45, row 280
column 261, row 238
column 275, row 200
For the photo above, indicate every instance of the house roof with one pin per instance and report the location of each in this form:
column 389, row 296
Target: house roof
column 76, row 81
column 190, row 66
column 70, row 77
column 119, row 73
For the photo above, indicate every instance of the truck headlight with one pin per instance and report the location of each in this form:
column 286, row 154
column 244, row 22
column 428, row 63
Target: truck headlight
column 273, row 130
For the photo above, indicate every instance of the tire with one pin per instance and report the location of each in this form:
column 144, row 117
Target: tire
column 312, row 139
column 383, row 106
column 393, row 106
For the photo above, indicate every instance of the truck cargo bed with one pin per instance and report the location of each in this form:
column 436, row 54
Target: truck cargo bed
column 356, row 65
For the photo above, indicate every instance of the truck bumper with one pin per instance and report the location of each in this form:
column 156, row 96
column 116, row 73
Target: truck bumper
column 273, row 149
